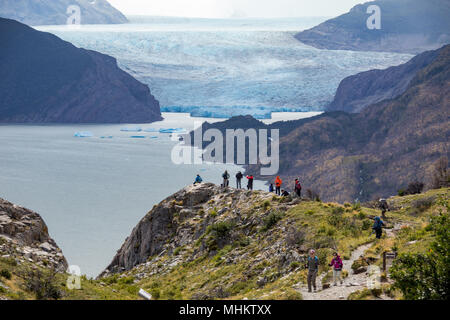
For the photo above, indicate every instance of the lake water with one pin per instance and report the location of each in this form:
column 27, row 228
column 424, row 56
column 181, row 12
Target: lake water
column 92, row 191
column 221, row 68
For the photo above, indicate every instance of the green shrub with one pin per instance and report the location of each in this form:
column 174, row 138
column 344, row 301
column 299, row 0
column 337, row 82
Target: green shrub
column 5, row 274
column 337, row 210
column 426, row 276
column 271, row 220
column 266, row 204
column 43, row 284
column 220, row 229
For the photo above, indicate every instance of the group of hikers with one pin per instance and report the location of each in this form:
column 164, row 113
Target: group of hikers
column 313, row 261
column 239, row 176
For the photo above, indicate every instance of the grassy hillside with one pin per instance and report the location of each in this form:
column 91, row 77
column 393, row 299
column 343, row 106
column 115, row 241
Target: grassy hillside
column 253, row 246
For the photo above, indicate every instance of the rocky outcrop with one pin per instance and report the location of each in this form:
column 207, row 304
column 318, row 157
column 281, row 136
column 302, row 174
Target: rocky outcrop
column 24, row 236
column 48, row 80
column 363, row 89
column 183, row 219
column 53, row 12
column 409, row 26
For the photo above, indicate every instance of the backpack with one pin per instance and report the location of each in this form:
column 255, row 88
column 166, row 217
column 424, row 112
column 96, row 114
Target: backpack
column 298, row 186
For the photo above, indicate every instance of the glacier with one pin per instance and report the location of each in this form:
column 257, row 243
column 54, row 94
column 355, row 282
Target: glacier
column 227, row 67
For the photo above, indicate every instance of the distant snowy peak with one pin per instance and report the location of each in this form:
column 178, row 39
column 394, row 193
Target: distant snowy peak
column 54, row 12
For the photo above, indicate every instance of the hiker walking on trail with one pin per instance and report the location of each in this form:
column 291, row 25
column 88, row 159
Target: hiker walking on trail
column 198, row 179
column 313, row 268
column 250, row 182
column 271, row 189
column 383, row 205
column 239, row 177
column 337, row 265
column 226, row 177
column 378, row 227
column 298, row 188
column 278, row 183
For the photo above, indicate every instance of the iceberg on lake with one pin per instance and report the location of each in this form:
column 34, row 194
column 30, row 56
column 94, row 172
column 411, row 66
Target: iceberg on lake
column 151, row 130
column 137, row 129
column 173, row 130
column 106, row 137
column 154, row 137
column 84, row 134
column 138, row 137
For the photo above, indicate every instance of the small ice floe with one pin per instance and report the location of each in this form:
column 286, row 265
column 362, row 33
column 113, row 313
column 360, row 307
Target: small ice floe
column 151, row 130
column 154, row 137
column 173, row 130
column 138, row 137
column 106, row 137
column 136, row 129
column 84, row 134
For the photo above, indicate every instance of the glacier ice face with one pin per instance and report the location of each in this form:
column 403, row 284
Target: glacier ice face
column 229, row 68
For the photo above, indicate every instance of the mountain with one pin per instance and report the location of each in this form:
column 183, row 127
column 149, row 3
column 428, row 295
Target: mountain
column 45, row 79
column 53, row 12
column 24, row 236
column 358, row 91
column 371, row 154
column 409, row 26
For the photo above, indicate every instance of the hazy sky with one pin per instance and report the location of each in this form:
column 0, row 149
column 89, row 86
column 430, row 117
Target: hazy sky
column 235, row 8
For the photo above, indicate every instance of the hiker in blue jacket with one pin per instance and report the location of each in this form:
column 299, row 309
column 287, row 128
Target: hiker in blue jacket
column 198, row 179
column 378, row 227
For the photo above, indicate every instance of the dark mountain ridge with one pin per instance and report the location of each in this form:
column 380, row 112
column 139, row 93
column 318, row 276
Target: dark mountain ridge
column 409, row 26
column 45, row 79
column 371, row 154
column 54, row 12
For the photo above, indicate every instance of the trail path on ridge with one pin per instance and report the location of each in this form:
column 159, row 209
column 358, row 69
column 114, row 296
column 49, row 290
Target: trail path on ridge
column 353, row 283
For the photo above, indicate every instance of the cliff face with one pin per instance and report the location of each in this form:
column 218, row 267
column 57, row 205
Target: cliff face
column 45, row 79
column 363, row 89
column 24, row 236
column 53, row 12
column 410, row 26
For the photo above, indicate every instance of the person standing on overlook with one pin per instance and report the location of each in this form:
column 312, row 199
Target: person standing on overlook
column 239, row 177
column 278, row 183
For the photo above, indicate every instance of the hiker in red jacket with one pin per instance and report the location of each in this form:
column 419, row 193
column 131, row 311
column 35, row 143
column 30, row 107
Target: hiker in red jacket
column 278, row 183
column 337, row 265
column 250, row 182
column 298, row 188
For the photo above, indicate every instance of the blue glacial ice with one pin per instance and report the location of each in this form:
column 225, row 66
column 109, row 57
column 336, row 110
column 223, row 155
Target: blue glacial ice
column 173, row 130
column 136, row 129
column 151, row 130
column 138, row 137
column 83, row 134
column 255, row 64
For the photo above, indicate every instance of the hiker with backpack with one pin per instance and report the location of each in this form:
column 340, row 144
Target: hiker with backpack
column 198, row 179
column 278, row 183
column 271, row 189
column 226, row 177
column 337, row 265
column 239, row 177
column 298, row 188
column 250, row 182
column 313, row 268
column 383, row 205
column 378, row 227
